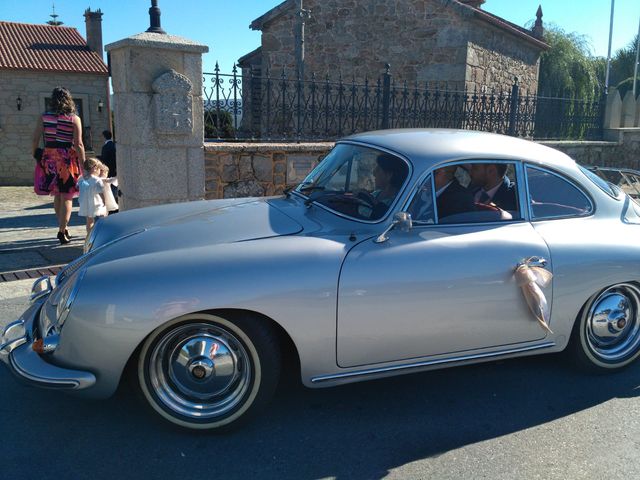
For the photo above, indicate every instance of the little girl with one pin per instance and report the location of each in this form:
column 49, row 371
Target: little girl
column 91, row 198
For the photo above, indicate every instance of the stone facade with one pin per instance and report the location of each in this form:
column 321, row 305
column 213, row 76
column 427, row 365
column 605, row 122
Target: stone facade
column 423, row 40
column 158, row 108
column 261, row 169
column 622, row 149
column 16, row 126
column 256, row 170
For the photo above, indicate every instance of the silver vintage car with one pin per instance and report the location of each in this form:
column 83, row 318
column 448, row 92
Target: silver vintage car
column 402, row 251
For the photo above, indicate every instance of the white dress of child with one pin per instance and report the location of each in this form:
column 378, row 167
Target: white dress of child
column 89, row 200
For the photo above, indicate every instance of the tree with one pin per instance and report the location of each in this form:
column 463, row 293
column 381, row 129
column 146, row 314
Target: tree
column 621, row 74
column 568, row 69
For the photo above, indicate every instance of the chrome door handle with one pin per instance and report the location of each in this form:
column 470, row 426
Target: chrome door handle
column 534, row 262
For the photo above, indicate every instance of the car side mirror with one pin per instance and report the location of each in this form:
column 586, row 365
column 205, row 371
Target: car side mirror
column 401, row 221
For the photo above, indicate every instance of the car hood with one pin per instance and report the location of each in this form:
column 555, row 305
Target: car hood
column 192, row 225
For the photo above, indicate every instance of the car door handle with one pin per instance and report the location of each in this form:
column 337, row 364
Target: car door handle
column 534, row 262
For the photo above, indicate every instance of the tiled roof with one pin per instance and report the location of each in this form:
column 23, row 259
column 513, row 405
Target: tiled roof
column 46, row 48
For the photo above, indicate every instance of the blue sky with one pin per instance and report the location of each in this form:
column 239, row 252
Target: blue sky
column 223, row 25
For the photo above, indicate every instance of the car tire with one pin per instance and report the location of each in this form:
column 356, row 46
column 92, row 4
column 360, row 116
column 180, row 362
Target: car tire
column 606, row 335
column 209, row 372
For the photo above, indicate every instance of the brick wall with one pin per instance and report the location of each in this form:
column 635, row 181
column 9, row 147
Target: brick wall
column 16, row 126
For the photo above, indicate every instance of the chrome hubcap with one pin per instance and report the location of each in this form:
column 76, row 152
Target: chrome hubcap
column 200, row 371
column 612, row 327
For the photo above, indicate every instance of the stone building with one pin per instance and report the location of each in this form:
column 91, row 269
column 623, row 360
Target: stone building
column 33, row 60
column 445, row 41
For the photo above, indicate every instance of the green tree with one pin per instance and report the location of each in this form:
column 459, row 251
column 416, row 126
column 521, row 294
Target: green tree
column 568, row 69
column 621, row 73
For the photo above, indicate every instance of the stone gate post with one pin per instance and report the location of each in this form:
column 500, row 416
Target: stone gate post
column 158, row 113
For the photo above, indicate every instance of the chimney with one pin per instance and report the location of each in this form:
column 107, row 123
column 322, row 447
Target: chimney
column 93, row 22
column 473, row 3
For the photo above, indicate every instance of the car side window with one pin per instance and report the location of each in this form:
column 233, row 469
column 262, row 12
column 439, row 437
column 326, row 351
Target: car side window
column 474, row 192
column 551, row 196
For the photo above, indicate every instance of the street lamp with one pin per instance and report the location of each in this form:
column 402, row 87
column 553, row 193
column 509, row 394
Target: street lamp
column 19, row 103
column 100, row 105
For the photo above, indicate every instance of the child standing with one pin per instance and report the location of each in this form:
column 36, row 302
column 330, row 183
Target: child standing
column 91, row 198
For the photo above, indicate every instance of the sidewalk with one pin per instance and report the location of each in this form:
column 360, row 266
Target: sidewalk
column 28, row 229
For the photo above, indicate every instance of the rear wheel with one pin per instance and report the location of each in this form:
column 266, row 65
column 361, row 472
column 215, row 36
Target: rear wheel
column 606, row 337
column 207, row 372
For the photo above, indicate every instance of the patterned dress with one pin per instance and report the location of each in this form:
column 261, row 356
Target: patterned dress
column 58, row 171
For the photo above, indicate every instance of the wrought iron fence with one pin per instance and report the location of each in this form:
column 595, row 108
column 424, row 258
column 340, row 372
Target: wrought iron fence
column 250, row 106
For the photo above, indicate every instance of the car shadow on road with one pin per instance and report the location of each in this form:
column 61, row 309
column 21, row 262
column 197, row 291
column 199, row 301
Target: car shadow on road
column 355, row 431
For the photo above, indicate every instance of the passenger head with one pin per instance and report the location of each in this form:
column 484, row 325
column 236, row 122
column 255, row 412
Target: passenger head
column 61, row 101
column 444, row 175
column 486, row 175
column 390, row 172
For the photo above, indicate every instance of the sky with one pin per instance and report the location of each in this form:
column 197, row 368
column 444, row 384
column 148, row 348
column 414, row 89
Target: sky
column 223, row 25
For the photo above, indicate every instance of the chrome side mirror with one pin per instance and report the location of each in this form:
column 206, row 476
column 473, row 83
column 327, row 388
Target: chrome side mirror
column 402, row 221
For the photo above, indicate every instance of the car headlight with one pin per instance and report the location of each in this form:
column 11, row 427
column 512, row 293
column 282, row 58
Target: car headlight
column 55, row 311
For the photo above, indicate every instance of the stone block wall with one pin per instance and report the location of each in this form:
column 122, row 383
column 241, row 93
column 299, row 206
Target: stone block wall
column 254, row 170
column 263, row 169
column 434, row 42
column 16, row 126
column 622, row 150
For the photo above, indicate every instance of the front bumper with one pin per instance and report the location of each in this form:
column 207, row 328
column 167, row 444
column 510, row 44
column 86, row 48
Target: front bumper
column 16, row 351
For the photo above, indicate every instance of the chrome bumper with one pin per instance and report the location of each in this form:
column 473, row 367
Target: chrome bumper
column 16, row 351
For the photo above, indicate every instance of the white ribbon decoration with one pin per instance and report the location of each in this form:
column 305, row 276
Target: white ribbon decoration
column 531, row 280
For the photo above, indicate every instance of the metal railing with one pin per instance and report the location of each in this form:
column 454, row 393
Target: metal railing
column 251, row 106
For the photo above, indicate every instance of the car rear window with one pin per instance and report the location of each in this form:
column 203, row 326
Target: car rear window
column 552, row 196
column 602, row 184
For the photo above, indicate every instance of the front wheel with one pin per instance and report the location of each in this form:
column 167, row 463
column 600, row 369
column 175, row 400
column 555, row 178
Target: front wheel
column 207, row 372
column 606, row 337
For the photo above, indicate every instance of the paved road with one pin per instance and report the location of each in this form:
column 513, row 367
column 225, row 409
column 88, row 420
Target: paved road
column 529, row 418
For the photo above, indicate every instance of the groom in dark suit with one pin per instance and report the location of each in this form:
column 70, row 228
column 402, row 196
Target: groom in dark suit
column 490, row 185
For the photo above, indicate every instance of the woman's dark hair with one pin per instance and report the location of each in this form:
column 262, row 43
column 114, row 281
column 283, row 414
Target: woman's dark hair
column 61, row 101
column 393, row 165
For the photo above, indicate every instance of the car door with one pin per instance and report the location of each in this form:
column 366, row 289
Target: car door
column 438, row 289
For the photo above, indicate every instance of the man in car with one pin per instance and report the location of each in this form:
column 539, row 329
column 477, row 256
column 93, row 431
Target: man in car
column 490, row 185
column 451, row 197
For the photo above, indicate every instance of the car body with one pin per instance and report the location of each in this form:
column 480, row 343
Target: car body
column 200, row 299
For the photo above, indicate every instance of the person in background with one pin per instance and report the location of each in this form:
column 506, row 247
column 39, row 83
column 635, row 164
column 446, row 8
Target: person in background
column 108, row 157
column 58, row 169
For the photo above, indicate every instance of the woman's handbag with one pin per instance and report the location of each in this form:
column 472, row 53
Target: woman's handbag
column 37, row 154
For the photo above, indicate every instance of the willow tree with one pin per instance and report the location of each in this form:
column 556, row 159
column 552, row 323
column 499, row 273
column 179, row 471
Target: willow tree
column 568, row 69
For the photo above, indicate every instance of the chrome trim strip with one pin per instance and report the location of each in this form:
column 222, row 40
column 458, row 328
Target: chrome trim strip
column 409, row 366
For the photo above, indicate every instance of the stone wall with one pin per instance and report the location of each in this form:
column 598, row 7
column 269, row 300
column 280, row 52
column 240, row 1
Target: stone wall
column 262, row 169
column 434, row 42
column 16, row 126
column 254, row 170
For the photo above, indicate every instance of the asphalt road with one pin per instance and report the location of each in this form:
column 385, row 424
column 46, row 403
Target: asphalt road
column 529, row 418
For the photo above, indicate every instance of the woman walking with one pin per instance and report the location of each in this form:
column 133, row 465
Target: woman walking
column 59, row 166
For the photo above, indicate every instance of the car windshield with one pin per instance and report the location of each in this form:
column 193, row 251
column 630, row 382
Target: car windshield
column 356, row 181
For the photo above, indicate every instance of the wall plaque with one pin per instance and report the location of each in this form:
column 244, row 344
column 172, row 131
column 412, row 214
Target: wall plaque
column 173, row 104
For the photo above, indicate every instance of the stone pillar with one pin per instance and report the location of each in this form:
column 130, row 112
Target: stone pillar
column 159, row 119
column 613, row 109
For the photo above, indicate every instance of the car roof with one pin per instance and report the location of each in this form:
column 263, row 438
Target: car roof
column 427, row 147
